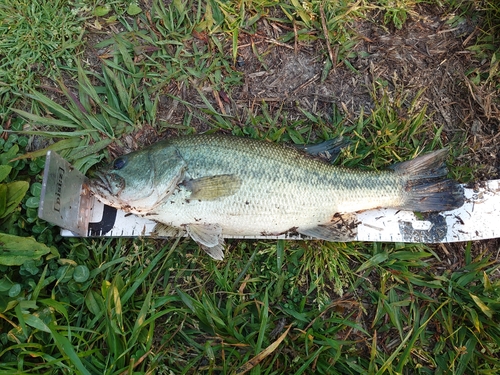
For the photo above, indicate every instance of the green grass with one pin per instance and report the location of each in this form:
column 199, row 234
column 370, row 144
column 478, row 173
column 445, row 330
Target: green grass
column 36, row 39
column 141, row 306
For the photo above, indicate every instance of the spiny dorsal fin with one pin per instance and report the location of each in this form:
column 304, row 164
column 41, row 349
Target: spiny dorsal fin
column 212, row 187
column 328, row 150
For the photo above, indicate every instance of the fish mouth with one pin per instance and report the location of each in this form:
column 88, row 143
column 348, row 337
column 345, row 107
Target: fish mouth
column 106, row 186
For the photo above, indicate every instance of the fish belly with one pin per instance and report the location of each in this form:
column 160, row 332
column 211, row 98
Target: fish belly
column 261, row 209
column 239, row 218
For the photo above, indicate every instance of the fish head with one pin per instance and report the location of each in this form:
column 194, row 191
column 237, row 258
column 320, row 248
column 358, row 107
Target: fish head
column 138, row 182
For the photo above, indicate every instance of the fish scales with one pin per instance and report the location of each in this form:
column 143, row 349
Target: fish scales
column 213, row 185
column 281, row 186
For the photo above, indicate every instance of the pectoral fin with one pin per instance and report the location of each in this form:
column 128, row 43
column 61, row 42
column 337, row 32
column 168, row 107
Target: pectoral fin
column 216, row 252
column 212, row 187
column 342, row 228
column 209, row 237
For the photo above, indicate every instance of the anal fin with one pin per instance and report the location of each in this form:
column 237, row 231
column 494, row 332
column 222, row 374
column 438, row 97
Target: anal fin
column 342, row 228
column 162, row 230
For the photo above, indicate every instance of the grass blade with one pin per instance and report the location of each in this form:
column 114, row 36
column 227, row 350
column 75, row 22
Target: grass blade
column 264, row 316
column 260, row 357
column 67, row 349
column 47, row 121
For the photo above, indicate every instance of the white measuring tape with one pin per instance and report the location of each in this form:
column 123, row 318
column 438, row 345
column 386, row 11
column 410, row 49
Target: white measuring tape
column 64, row 203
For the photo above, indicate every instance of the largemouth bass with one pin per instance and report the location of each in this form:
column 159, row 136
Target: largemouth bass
column 211, row 186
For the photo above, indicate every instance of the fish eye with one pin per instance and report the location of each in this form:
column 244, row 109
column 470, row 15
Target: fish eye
column 119, row 163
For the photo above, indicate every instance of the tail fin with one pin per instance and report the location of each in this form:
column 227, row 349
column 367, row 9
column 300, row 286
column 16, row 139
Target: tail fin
column 427, row 188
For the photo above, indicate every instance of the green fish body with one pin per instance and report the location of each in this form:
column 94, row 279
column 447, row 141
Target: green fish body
column 212, row 186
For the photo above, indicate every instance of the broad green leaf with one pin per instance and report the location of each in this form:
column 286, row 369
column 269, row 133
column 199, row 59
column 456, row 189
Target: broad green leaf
column 36, row 322
column 485, row 309
column 56, row 305
column 114, row 303
column 269, row 350
column 91, row 149
column 6, row 157
column 295, row 136
column 113, row 99
column 4, row 303
column 302, row 317
column 179, row 5
column 48, row 121
column 97, row 125
column 124, row 47
column 28, row 305
column 4, row 171
column 465, row 358
column 487, row 282
column 94, row 303
column 373, row 261
column 15, row 192
column 60, row 145
column 41, row 283
column 15, row 290
column 141, row 319
column 264, row 316
column 66, row 348
column 36, row 189
column 81, row 274
column 5, row 284
column 61, row 134
column 301, row 11
column 20, row 318
column 123, row 94
column 190, row 302
column 209, row 18
column 133, row 9
column 14, row 250
column 280, row 253
column 85, row 163
column 102, row 10
column 65, row 273
column 55, row 107
column 3, row 199
column 33, row 202
column 475, row 319
column 409, row 255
